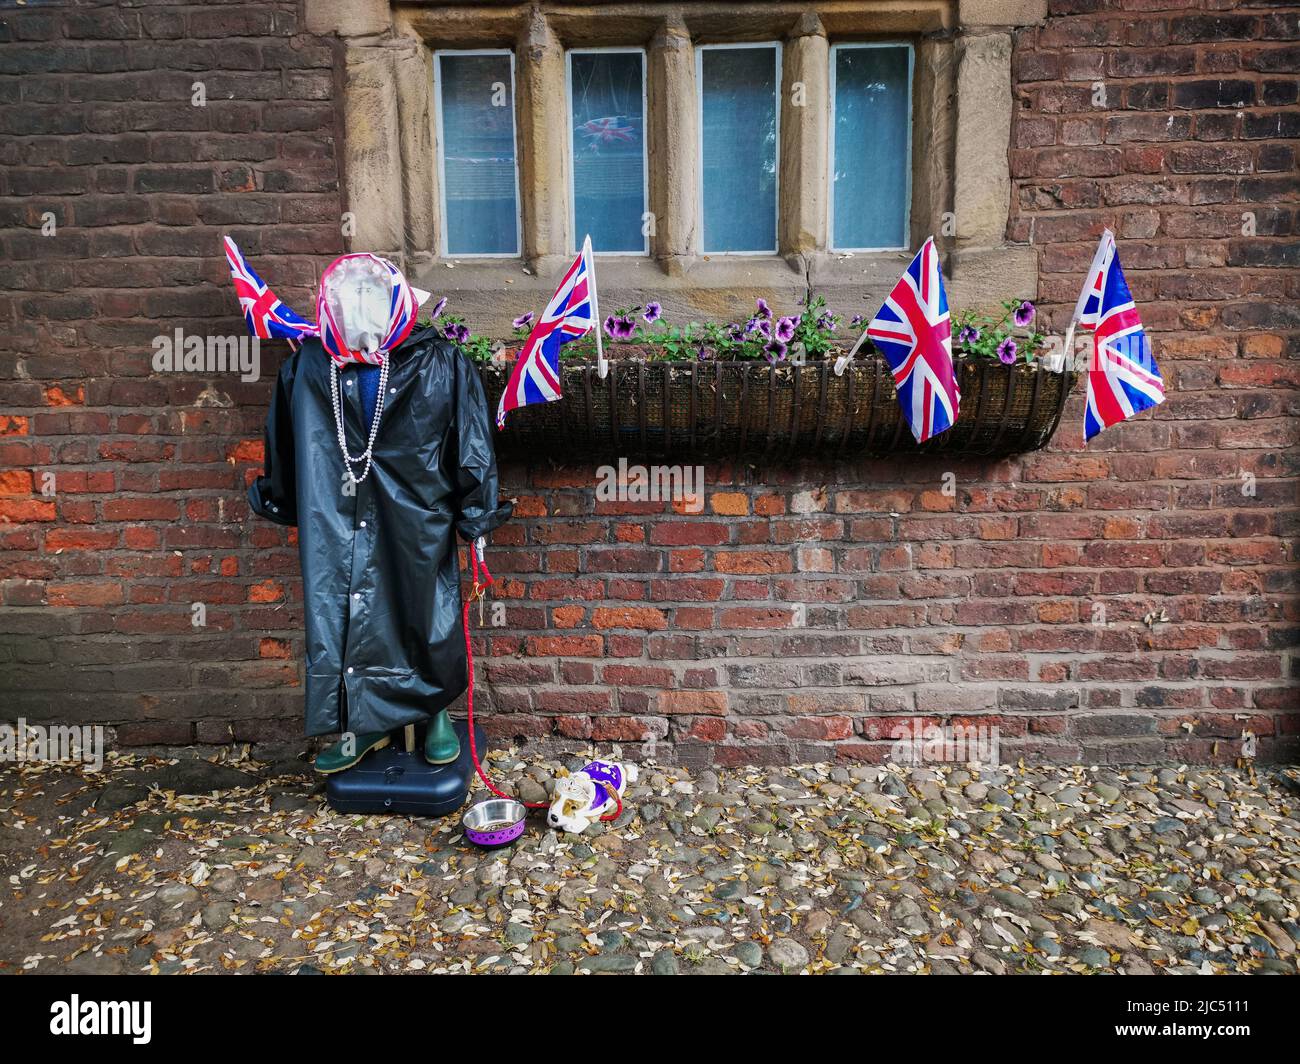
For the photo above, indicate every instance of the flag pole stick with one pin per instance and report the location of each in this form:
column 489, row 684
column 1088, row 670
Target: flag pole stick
column 1107, row 238
column 1067, row 354
column 844, row 360
column 602, row 366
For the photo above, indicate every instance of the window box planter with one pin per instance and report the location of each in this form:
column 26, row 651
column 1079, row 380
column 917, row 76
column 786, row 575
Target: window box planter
column 751, row 409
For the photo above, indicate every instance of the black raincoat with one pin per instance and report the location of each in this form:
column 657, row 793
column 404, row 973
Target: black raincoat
column 381, row 578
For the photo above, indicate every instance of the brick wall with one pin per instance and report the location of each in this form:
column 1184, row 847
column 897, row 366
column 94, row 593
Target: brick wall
column 1191, row 514
column 147, row 515
column 809, row 606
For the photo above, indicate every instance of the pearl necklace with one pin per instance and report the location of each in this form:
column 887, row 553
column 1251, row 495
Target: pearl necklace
column 367, row 455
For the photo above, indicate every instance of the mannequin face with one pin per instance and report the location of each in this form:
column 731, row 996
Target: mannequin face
column 359, row 292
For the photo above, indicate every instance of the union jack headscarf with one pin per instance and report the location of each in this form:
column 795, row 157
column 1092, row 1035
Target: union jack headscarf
column 267, row 317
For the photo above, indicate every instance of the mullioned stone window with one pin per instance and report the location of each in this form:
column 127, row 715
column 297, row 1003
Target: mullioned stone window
column 716, row 152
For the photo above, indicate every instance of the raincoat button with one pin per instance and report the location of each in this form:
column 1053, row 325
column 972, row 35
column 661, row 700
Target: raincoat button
column 363, row 524
column 349, row 670
column 356, row 594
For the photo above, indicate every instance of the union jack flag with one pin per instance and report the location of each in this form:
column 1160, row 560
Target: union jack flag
column 609, row 130
column 1123, row 378
column 569, row 315
column 264, row 314
column 913, row 331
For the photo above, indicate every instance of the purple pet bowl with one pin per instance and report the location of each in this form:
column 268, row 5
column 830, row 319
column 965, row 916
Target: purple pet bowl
column 495, row 822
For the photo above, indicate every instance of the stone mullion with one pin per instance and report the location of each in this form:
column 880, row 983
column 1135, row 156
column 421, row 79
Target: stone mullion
column 805, row 118
column 543, row 166
column 672, row 144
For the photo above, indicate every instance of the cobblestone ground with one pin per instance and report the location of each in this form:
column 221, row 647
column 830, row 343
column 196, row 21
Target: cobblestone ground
column 191, row 866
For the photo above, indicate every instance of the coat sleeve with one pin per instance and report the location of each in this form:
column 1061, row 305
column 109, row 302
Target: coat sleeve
column 274, row 495
column 477, row 509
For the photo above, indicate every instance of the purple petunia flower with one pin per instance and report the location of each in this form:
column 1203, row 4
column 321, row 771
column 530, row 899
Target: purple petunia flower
column 524, row 320
column 735, row 332
column 857, row 321
column 968, row 335
column 1023, row 314
column 652, row 313
column 620, row 327
column 764, row 311
column 456, row 332
column 775, row 351
column 826, row 322
column 759, row 327
column 1007, row 350
column 438, row 308
column 625, row 328
column 784, row 330
column 704, row 354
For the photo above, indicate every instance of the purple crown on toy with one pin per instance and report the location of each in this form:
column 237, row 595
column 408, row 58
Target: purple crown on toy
column 604, row 772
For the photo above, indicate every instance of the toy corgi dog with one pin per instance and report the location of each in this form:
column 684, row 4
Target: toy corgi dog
column 583, row 797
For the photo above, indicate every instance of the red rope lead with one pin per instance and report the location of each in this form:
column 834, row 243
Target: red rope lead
column 477, row 591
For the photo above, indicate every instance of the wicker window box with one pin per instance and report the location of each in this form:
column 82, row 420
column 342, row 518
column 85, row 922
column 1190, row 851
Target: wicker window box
column 730, row 409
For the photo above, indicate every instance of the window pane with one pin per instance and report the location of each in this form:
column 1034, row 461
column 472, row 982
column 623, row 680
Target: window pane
column 738, row 111
column 607, row 115
column 871, row 158
column 480, row 204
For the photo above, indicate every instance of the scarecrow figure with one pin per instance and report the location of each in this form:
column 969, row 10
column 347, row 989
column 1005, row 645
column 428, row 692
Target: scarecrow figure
column 379, row 449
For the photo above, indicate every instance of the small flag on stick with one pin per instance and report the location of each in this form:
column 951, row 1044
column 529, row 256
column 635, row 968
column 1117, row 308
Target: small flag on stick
column 1123, row 378
column 913, row 330
column 570, row 315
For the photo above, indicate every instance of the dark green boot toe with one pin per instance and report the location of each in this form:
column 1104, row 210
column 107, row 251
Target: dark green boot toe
column 349, row 750
column 441, row 746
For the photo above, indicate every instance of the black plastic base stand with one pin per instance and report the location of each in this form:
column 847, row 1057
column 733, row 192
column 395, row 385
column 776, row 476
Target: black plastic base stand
column 394, row 780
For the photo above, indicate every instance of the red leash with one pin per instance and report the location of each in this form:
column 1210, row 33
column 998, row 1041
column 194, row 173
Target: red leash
column 477, row 590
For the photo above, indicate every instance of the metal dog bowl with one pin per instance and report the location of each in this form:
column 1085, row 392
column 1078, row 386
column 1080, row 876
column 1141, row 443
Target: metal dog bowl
column 495, row 822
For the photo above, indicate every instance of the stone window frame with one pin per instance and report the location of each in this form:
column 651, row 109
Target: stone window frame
column 961, row 105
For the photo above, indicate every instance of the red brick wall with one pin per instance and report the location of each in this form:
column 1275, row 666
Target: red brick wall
column 810, row 606
column 148, row 515
column 1196, row 140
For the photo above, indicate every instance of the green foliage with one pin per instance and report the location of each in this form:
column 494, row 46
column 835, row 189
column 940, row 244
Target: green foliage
column 981, row 336
column 765, row 336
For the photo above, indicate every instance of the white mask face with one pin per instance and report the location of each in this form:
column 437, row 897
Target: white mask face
column 359, row 292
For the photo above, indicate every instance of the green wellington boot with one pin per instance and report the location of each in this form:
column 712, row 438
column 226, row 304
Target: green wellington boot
column 349, row 750
column 441, row 746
